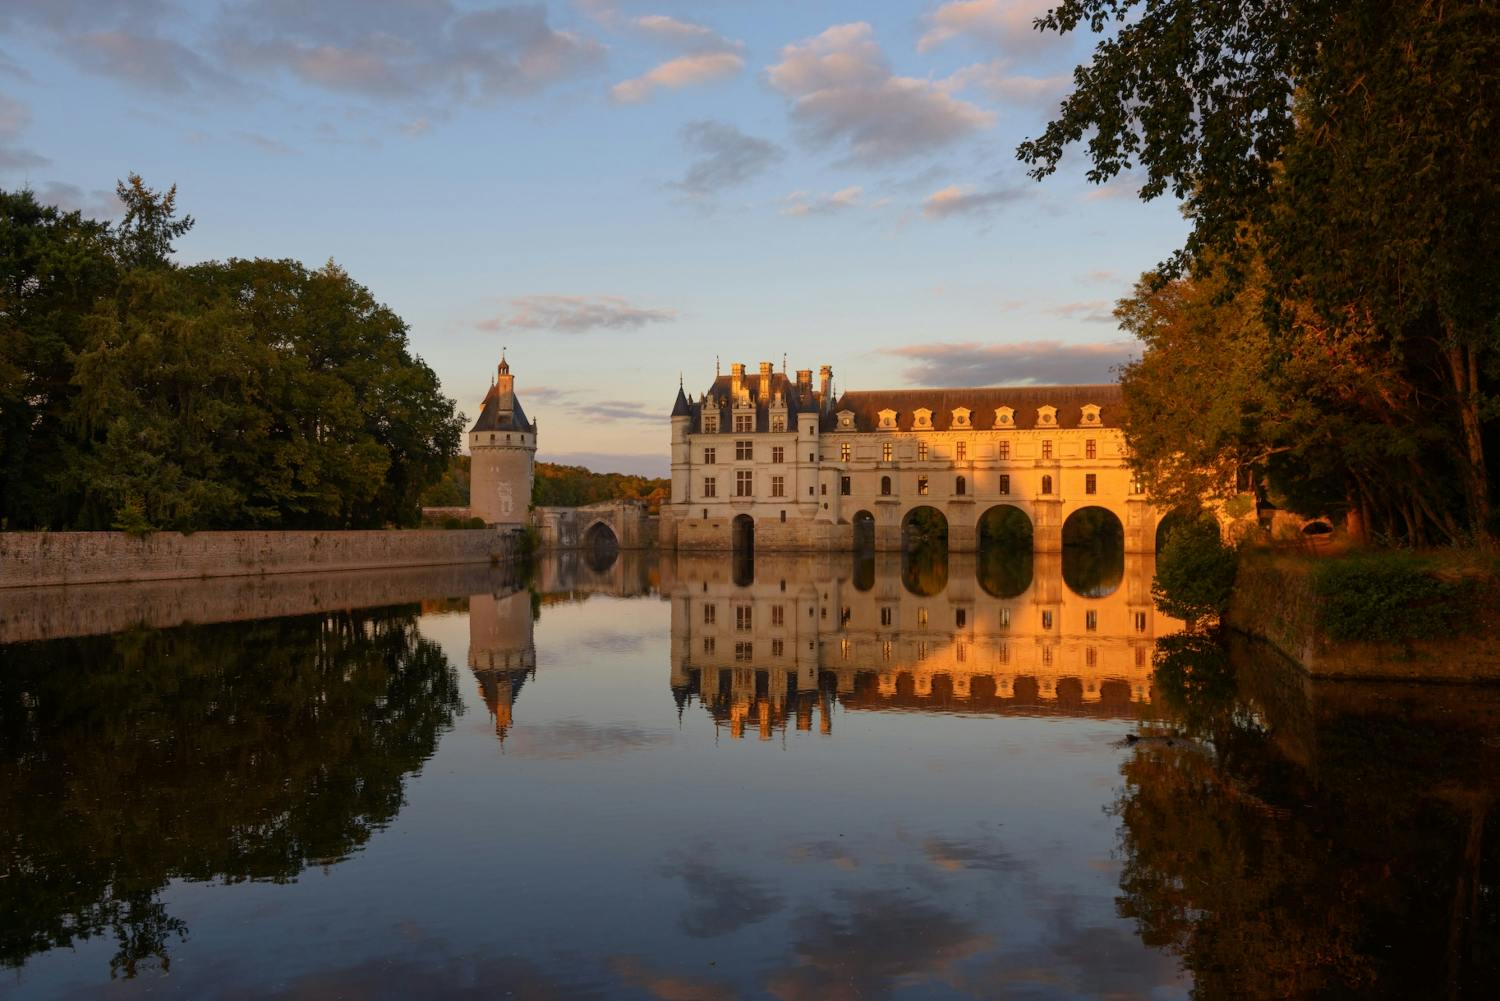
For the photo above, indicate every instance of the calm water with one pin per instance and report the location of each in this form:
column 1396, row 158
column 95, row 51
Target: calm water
column 797, row 779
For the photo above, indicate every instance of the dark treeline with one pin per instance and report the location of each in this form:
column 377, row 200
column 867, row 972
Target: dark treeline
column 1330, row 334
column 139, row 394
column 555, row 485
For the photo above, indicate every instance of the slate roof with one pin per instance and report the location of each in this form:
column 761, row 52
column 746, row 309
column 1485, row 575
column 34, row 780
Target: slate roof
column 982, row 403
column 492, row 418
column 720, row 395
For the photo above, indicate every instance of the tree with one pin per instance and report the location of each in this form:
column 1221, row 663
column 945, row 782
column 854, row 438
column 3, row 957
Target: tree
column 1357, row 140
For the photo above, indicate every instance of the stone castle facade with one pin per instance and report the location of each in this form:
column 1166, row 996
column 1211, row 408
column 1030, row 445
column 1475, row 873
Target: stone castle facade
column 770, row 462
column 502, row 446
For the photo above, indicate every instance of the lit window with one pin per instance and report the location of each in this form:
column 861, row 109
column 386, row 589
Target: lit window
column 743, row 423
column 1090, row 449
column 1047, row 448
column 710, row 614
column 922, row 451
column 744, row 451
column 744, row 483
column 1137, row 487
column 1005, row 450
column 778, row 423
column 922, row 486
column 778, row 486
column 886, row 451
column 886, row 616
column 921, row 616
column 844, row 451
column 710, row 488
column 778, row 454
column 1005, row 483
column 1090, row 483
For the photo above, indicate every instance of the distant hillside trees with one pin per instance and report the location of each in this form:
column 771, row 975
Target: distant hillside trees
column 571, row 486
column 139, row 394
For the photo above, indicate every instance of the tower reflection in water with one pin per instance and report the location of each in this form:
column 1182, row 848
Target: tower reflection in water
column 780, row 644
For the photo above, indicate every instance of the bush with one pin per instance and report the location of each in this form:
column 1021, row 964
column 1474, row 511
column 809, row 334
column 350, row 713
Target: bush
column 1390, row 597
column 1194, row 572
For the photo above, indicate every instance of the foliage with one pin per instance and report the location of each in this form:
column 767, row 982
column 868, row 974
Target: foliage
column 241, row 393
column 1194, row 571
column 573, row 486
column 1391, row 597
column 1338, row 160
column 452, row 489
column 245, row 751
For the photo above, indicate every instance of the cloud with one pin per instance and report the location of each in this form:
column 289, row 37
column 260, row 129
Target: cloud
column 14, row 117
column 568, row 740
column 148, row 61
column 843, row 93
column 383, row 49
column 955, row 200
column 265, row 143
column 1047, row 363
column 997, row 82
column 727, row 157
column 575, row 314
column 676, row 31
column 972, row 855
column 684, row 71
column 1089, row 311
column 1003, row 23
column 97, row 203
column 1123, row 186
column 723, row 902
column 801, row 203
column 576, row 402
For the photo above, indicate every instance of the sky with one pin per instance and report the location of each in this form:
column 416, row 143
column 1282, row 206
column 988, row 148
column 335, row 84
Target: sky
column 617, row 192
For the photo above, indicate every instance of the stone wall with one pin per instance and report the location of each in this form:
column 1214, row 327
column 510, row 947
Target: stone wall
column 30, row 559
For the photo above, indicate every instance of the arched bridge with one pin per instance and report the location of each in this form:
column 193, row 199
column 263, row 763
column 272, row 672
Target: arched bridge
column 622, row 524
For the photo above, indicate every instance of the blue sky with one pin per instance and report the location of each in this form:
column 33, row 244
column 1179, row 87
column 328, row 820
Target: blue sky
column 618, row 191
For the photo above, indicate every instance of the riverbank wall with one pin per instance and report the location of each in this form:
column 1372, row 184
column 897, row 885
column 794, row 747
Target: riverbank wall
column 1277, row 601
column 37, row 559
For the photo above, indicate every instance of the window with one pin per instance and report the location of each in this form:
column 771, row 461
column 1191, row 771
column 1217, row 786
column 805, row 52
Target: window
column 1046, row 620
column 886, row 615
column 1005, row 483
column 743, row 423
column 1090, row 449
column 744, row 652
column 1090, row 657
column 844, row 486
column 960, row 486
column 1046, row 656
column 885, row 650
column 1140, row 622
column 778, row 423
column 1137, row 487
column 961, row 451
column 886, row 451
column 744, row 483
column 744, row 451
column 844, row 647
column 960, row 618
column 1003, row 653
column 778, row 615
column 710, row 614
column 1090, row 620
column 778, row 486
column 778, row 454
column 1046, row 484
column 1004, row 618
column 710, row 456
column 1090, row 483
column 921, row 486
column 844, row 451
column 922, row 451
column 744, row 618
column 885, row 486
column 1046, row 448
column 777, row 648
column 710, row 423
column 708, row 644
column 960, row 652
column 822, row 489
column 783, row 513
column 492, row 439
column 710, row 489
column 1004, row 448
column 922, row 617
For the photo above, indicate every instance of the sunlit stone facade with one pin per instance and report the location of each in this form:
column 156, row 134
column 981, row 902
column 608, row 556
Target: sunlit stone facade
column 502, row 445
column 777, row 459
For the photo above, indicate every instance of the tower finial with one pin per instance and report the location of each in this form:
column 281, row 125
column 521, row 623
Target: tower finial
column 717, row 370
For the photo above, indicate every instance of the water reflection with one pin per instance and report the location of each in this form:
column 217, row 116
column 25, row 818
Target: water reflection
column 223, row 752
column 909, row 632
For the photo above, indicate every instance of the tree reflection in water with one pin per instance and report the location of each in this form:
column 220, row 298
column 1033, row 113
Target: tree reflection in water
column 230, row 752
column 1293, row 839
column 924, row 569
column 1093, row 559
column 1006, row 543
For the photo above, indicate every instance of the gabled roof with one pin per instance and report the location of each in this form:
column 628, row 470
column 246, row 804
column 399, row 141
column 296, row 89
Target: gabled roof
column 492, row 418
column 982, row 404
column 720, row 396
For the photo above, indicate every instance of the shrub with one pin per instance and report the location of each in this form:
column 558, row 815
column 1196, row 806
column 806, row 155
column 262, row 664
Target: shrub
column 475, row 523
column 1194, row 572
column 1389, row 597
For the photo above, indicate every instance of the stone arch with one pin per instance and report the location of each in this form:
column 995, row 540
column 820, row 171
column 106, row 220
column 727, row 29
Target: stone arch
column 1005, row 524
column 1168, row 523
column 924, row 524
column 863, row 530
column 1093, row 543
column 601, row 545
column 600, row 531
column 1005, row 539
column 743, row 529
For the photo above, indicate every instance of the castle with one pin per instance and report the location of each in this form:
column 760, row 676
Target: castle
column 766, row 462
column 502, row 446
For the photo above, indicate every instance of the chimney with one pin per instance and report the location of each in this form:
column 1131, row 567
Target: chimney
column 765, row 382
column 736, row 379
column 804, row 383
column 825, row 384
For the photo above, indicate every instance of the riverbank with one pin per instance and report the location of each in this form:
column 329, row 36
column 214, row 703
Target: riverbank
column 1376, row 616
column 39, row 559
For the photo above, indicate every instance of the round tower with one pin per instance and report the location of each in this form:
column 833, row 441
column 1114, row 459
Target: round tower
column 502, row 446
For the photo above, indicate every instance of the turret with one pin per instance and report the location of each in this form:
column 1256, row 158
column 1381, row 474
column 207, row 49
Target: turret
column 502, row 447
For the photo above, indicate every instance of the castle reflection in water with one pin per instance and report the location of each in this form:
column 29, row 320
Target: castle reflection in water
column 785, row 643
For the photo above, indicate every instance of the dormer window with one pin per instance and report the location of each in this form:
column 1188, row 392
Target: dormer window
column 961, row 417
column 1090, row 415
column 711, row 422
column 778, row 422
column 887, row 420
column 1046, row 417
column 846, row 420
column 921, row 419
column 1005, row 417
